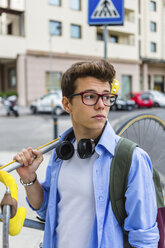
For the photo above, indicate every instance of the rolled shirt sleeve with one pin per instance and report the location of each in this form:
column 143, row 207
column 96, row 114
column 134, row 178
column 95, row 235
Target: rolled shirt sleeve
column 140, row 203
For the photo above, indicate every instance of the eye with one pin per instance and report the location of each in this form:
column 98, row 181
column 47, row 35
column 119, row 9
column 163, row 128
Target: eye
column 107, row 97
column 89, row 96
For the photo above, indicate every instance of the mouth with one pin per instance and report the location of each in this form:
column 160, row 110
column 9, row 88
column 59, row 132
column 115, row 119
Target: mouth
column 99, row 117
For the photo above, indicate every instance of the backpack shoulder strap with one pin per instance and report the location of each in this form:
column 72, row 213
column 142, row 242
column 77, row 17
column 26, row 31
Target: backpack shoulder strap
column 119, row 170
column 158, row 189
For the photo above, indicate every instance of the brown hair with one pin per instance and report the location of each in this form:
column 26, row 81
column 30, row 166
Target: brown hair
column 100, row 69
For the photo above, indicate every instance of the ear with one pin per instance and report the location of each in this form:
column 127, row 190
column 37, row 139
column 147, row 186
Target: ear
column 66, row 104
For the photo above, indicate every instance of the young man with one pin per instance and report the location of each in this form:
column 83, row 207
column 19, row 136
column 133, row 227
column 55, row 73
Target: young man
column 74, row 198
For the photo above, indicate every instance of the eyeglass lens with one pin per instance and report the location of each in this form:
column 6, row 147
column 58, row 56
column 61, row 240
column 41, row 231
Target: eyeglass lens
column 92, row 98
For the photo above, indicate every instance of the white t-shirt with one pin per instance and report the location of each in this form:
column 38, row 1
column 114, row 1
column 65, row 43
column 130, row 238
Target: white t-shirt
column 76, row 208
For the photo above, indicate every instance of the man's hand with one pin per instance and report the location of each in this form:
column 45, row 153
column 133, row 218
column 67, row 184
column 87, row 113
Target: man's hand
column 30, row 159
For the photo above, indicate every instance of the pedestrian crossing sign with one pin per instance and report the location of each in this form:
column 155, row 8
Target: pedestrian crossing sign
column 105, row 12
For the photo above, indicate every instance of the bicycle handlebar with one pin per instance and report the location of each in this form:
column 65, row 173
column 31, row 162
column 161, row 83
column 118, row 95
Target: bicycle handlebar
column 16, row 222
column 44, row 149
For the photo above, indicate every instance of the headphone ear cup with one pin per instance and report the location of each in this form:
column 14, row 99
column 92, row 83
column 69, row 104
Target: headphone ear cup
column 85, row 149
column 64, row 150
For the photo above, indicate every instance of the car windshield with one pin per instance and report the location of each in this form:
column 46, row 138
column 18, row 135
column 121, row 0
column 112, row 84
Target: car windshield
column 145, row 96
column 55, row 94
column 159, row 94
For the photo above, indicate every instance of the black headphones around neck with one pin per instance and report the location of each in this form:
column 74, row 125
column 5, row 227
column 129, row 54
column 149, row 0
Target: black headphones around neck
column 85, row 147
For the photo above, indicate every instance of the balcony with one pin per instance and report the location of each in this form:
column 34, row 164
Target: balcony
column 12, row 6
column 116, row 51
column 128, row 27
column 131, row 5
column 11, row 46
column 12, row 17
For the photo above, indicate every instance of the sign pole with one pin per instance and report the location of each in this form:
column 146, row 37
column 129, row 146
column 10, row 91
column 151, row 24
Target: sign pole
column 105, row 13
column 105, row 41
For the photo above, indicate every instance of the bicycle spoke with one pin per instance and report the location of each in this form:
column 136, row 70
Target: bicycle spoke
column 154, row 140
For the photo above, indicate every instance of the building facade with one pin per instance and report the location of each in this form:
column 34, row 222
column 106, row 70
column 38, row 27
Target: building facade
column 39, row 40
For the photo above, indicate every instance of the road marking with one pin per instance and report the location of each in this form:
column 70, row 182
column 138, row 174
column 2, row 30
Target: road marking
column 105, row 9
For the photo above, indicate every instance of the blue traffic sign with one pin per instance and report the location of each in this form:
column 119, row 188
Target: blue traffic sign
column 105, row 12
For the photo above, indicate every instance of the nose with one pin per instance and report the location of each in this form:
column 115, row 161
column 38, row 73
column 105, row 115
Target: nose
column 100, row 103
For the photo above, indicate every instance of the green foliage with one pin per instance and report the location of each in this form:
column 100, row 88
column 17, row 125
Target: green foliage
column 8, row 93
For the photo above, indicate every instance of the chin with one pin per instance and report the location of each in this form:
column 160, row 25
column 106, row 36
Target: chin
column 98, row 125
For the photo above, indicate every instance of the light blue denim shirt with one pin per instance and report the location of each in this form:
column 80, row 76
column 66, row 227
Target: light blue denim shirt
column 140, row 199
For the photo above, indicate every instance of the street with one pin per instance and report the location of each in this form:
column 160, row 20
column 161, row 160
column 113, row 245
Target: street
column 36, row 130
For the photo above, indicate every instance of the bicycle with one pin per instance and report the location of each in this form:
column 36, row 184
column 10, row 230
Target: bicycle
column 148, row 131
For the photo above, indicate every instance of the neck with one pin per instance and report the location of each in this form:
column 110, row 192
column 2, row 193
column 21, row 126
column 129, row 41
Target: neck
column 91, row 134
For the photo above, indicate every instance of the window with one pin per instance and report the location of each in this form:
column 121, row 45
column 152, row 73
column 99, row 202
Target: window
column 100, row 36
column 149, row 82
column 114, row 39
column 10, row 28
column 139, row 6
column 75, row 31
column 159, row 83
column 140, row 48
column 53, row 80
column 153, row 47
column 55, row 2
column 55, row 28
column 141, row 82
column 11, row 78
column 126, row 84
column 153, row 26
column 153, row 6
column 139, row 26
column 75, row 4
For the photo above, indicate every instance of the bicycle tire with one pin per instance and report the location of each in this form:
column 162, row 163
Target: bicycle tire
column 148, row 131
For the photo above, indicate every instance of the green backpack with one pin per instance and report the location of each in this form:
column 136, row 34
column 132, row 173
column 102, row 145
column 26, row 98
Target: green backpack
column 118, row 182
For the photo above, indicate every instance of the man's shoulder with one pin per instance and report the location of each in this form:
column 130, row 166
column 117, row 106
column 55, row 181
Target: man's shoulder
column 141, row 163
column 65, row 133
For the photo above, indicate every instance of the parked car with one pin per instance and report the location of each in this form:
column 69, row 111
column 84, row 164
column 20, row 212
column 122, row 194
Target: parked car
column 123, row 103
column 158, row 98
column 142, row 99
column 49, row 103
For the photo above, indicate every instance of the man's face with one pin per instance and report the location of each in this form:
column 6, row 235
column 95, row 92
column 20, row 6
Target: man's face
column 87, row 119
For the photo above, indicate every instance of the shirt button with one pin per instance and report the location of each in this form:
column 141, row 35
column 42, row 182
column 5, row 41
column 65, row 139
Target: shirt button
column 101, row 198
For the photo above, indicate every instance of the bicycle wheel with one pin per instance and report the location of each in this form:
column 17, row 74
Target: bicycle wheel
column 148, row 131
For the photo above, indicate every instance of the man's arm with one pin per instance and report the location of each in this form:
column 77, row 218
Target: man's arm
column 141, row 203
column 31, row 159
column 35, row 195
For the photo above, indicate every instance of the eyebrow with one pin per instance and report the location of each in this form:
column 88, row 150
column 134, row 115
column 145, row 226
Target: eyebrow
column 91, row 90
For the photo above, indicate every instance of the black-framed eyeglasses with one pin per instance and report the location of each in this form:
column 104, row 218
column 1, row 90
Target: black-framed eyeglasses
column 91, row 98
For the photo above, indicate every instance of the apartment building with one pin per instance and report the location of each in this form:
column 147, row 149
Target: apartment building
column 39, row 40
